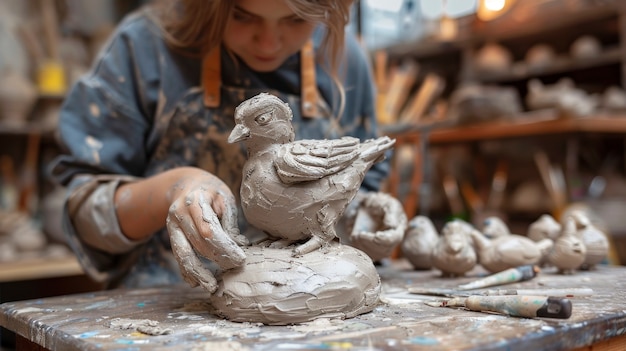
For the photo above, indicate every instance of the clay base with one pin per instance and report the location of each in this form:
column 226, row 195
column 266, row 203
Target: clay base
column 337, row 281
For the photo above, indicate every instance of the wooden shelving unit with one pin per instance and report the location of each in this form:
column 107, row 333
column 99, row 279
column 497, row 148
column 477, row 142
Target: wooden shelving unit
column 534, row 125
column 555, row 23
column 526, row 127
column 32, row 269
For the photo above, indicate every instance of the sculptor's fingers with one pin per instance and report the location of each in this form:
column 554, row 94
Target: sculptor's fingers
column 229, row 220
column 192, row 269
column 217, row 244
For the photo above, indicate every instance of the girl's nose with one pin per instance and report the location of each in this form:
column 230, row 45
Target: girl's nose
column 269, row 38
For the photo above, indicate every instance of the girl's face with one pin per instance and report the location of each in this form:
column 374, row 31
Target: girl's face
column 264, row 33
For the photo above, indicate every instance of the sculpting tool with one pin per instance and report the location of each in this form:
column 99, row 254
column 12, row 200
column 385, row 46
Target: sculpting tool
column 513, row 305
column 564, row 292
column 510, row 275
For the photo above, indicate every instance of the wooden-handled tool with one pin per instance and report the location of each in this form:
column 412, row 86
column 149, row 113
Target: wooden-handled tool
column 399, row 85
column 416, row 108
column 512, row 305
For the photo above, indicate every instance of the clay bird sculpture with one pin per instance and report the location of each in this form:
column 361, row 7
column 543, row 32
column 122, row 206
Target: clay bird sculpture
column 508, row 251
column 297, row 190
column 546, row 227
column 494, row 227
column 419, row 242
column 595, row 241
column 454, row 253
column 569, row 251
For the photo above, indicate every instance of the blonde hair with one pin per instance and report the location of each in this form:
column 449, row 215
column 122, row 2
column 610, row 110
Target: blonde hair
column 197, row 26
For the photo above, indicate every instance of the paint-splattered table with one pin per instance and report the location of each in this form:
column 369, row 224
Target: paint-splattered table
column 402, row 321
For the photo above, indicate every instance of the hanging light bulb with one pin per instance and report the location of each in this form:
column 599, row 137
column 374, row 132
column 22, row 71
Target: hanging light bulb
column 494, row 5
column 492, row 9
column 448, row 27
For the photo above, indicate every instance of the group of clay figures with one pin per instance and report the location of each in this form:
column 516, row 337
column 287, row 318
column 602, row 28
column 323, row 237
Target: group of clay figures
column 571, row 245
column 297, row 190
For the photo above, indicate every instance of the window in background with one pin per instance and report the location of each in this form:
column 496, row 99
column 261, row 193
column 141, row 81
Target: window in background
column 389, row 22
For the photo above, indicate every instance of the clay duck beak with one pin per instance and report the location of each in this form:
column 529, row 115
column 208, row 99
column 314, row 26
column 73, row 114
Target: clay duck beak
column 239, row 133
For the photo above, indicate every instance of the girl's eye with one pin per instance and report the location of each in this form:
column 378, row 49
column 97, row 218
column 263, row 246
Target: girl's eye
column 296, row 20
column 241, row 17
column 264, row 118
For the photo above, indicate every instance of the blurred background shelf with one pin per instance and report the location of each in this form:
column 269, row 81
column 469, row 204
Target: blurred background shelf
column 39, row 268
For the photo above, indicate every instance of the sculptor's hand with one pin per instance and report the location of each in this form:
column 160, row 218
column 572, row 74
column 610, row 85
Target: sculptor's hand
column 203, row 218
column 377, row 224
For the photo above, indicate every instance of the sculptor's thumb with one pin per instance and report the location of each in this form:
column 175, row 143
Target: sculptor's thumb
column 219, row 246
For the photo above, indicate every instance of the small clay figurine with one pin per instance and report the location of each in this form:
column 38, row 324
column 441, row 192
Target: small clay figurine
column 569, row 250
column 379, row 224
column 494, row 227
column 562, row 95
column 454, row 254
column 508, row 251
column 595, row 241
column 546, row 227
column 297, row 190
column 419, row 242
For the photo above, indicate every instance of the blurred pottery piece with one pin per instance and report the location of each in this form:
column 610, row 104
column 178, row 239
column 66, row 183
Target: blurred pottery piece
column 585, row 46
column 454, row 254
column 419, row 242
column 569, row 250
column 493, row 58
column 508, row 251
column 595, row 241
column 614, row 98
column 539, row 56
column 563, row 95
column 494, row 227
column 473, row 103
column 546, row 227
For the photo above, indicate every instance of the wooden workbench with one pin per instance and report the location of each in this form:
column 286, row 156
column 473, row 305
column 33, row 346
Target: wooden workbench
column 402, row 321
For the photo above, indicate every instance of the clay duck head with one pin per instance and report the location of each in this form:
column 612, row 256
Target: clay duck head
column 454, row 253
column 263, row 120
column 569, row 250
column 494, row 227
column 546, row 227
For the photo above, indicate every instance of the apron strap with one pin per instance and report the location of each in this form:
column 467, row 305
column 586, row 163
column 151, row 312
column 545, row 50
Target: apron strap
column 308, row 91
column 212, row 80
column 211, row 77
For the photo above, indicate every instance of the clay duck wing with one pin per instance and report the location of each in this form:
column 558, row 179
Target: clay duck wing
column 306, row 160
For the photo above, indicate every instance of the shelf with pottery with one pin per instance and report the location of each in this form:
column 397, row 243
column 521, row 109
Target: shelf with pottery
column 558, row 66
column 532, row 124
column 39, row 268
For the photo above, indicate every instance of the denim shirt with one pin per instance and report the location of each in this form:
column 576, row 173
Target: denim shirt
column 115, row 119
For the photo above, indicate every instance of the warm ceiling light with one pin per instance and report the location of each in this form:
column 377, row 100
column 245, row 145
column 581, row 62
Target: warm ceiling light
column 491, row 9
column 495, row 5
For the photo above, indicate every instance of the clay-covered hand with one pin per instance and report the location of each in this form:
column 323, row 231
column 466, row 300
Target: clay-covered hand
column 376, row 223
column 203, row 219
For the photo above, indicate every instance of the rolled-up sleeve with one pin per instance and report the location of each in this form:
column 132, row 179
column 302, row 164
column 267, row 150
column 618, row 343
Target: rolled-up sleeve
column 92, row 212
